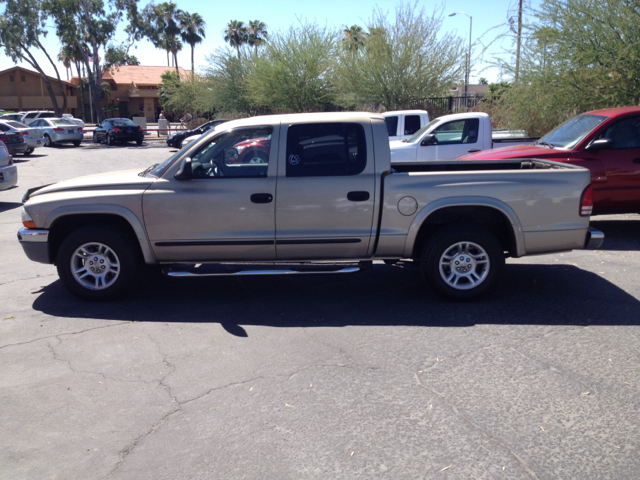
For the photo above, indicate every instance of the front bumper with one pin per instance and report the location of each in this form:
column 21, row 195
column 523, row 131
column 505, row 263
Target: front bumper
column 594, row 239
column 8, row 177
column 35, row 244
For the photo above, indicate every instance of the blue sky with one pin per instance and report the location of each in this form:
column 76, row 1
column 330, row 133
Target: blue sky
column 279, row 15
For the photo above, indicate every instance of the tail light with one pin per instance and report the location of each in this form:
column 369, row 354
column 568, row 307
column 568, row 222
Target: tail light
column 116, row 130
column 10, row 160
column 586, row 202
column 25, row 133
column 139, row 129
column 4, row 139
column 79, row 129
column 58, row 129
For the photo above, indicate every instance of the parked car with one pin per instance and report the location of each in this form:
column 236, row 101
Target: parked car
column 13, row 139
column 402, row 124
column 450, row 137
column 607, row 142
column 33, row 136
column 12, row 116
column 8, row 171
column 328, row 182
column 58, row 130
column 176, row 138
column 71, row 118
column 29, row 117
column 115, row 130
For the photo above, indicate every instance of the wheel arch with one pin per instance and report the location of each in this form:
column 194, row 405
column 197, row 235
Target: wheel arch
column 62, row 221
column 495, row 215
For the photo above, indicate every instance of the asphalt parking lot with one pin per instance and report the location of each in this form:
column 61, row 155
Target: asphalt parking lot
column 362, row 376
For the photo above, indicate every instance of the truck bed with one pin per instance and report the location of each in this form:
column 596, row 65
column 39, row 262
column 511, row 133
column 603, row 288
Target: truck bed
column 462, row 166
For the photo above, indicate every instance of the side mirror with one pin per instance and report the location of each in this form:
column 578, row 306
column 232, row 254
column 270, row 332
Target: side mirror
column 185, row 172
column 429, row 139
column 600, row 144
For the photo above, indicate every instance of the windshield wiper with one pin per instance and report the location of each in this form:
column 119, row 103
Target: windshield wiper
column 546, row 144
column 147, row 170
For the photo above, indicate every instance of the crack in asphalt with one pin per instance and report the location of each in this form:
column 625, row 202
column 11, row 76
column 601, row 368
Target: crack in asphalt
column 477, row 427
column 63, row 334
column 29, row 278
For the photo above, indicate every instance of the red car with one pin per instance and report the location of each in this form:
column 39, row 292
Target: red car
column 254, row 150
column 607, row 142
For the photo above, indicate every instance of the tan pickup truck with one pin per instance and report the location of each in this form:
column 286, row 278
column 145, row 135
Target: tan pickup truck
column 300, row 194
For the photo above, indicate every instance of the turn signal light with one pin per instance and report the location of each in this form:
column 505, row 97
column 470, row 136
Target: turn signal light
column 29, row 224
column 586, row 202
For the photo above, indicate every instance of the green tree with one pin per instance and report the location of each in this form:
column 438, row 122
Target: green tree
column 116, row 56
column 401, row 60
column 22, row 30
column 192, row 26
column 160, row 26
column 257, row 34
column 227, row 89
column 577, row 55
column 236, row 34
column 295, row 73
column 179, row 94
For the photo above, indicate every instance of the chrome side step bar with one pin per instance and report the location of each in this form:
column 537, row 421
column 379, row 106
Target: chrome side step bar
column 304, row 269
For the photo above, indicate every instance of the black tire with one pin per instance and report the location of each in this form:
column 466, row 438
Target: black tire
column 139, row 142
column 95, row 138
column 481, row 262
column 179, row 143
column 47, row 141
column 110, row 140
column 28, row 151
column 120, row 250
column 76, row 144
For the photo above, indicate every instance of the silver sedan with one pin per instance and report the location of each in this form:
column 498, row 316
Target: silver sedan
column 33, row 136
column 58, row 130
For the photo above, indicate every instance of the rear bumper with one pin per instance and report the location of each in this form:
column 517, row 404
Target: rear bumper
column 127, row 137
column 594, row 239
column 67, row 137
column 8, row 177
column 17, row 147
column 35, row 244
column 35, row 142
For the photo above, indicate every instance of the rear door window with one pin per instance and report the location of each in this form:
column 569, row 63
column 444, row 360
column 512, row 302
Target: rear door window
column 325, row 150
column 392, row 125
column 456, row 132
column 411, row 124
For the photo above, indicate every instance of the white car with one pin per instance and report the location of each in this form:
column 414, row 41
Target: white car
column 58, row 130
column 8, row 171
column 33, row 136
column 29, row 117
column 190, row 140
column 77, row 121
column 12, row 116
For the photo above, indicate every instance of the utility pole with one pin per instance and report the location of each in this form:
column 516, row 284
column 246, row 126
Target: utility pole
column 519, row 41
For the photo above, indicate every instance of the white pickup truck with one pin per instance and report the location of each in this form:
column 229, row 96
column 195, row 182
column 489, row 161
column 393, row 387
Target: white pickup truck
column 299, row 194
column 402, row 124
column 451, row 136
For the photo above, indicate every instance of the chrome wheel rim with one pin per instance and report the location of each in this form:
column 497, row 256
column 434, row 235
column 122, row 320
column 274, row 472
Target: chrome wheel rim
column 47, row 140
column 95, row 266
column 464, row 265
column 257, row 160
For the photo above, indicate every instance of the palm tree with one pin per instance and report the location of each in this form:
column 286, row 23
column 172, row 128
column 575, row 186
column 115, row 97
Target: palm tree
column 167, row 29
column 192, row 26
column 236, row 34
column 257, row 34
column 65, row 57
column 354, row 37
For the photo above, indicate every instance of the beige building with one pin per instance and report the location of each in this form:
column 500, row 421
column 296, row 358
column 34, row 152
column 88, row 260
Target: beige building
column 134, row 90
column 472, row 90
column 23, row 90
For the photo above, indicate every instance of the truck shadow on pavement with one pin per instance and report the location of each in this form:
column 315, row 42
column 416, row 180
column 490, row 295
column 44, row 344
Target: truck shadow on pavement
column 619, row 234
column 6, row 206
column 385, row 295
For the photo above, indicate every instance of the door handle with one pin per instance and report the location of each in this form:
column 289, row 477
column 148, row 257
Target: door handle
column 261, row 198
column 358, row 196
column 474, row 151
column 636, row 160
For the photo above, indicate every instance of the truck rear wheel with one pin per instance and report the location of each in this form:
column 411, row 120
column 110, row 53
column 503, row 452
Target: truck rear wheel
column 96, row 263
column 462, row 262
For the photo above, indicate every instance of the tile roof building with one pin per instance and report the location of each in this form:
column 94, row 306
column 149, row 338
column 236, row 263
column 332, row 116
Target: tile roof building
column 23, row 90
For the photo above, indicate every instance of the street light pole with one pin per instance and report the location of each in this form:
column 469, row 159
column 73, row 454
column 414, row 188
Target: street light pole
column 468, row 65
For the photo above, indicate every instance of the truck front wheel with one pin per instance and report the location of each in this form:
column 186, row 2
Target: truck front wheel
column 462, row 262
column 96, row 263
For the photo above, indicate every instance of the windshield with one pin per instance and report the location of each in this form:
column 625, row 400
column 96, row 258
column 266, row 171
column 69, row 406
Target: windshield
column 571, row 132
column 63, row 123
column 419, row 133
column 160, row 169
column 123, row 122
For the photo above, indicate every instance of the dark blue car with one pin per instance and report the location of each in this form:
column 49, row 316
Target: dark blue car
column 114, row 130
